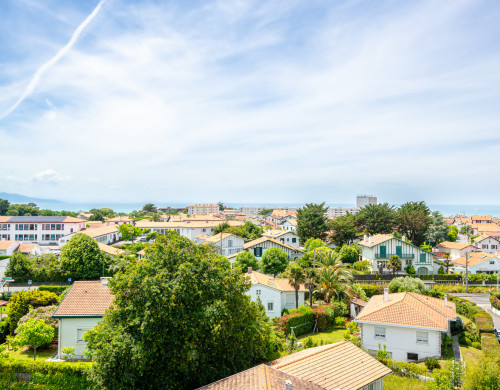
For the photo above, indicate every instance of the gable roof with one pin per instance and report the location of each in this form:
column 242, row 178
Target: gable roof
column 261, row 240
column 474, row 258
column 335, row 366
column 280, row 284
column 376, row 239
column 484, row 237
column 408, row 309
column 26, row 248
column 110, row 249
column 100, row 231
column 85, row 299
column 261, row 378
column 217, row 237
column 4, row 245
column 453, row 245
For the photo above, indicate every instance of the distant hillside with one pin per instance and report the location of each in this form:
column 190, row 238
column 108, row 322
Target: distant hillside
column 16, row 198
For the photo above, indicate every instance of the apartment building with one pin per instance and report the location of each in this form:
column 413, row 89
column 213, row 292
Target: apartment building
column 203, row 209
column 364, row 200
column 42, row 230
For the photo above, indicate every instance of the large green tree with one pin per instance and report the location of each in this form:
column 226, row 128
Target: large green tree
column 438, row 229
column 274, row 261
column 4, row 206
column 81, row 258
column 19, row 267
column 312, row 222
column 334, row 278
column 246, row 259
column 129, row 232
column 33, row 334
column 181, row 319
column 296, row 278
column 414, row 221
column 377, row 218
column 343, row 230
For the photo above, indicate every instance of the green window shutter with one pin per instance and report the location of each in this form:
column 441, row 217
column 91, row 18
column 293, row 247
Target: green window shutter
column 399, row 250
column 383, row 251
column 423, row 257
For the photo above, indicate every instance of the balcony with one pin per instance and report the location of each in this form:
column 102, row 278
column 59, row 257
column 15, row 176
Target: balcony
column 401, row 256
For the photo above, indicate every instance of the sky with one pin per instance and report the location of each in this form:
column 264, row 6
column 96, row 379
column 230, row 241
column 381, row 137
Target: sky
column 250, row 101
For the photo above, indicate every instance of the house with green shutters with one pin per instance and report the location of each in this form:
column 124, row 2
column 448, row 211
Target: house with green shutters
column 379, row 248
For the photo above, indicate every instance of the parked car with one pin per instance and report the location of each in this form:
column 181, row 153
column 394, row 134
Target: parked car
column 497, row 333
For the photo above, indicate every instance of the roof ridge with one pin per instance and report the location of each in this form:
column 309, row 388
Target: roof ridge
column 312, row 354
column 412, row 294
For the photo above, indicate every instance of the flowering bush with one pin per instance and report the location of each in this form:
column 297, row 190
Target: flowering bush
column 321, row 319
column 301, row 322
column 495, row 301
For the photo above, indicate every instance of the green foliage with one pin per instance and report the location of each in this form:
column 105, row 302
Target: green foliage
column 97, row 216
column 377, row 219
column 129, row 232
column 362, row 266
column 452, row 233
column 301, row 320
column 371, row 290
column 321, row 319
column 33, row 333
column 352, row 333
column 312, row 221
column 81, row 258
column 151, row 236
column 307, row 260
column 334, row 278
column 410, row 370
column 476, row 345
column 359, row 292
column 106, row 212
column 266, row 212
column 406, row 284
column 20, row 302
column 484, row 375
column 222, row 227
column 4, row 206
column 438, row 229
column 414, row 221
column 54, row 289
column 19, row 267
column 441, row 270
column 296, row 278
column 349, row 254
column 149, row 208
column 394, row 264
column 246, row 259
column 181, row 318
column 490, row 346
column 247, row 231
column 274, row 261
column 4, row 330
column 410, row 270
column 313, row 243
column 344, row 230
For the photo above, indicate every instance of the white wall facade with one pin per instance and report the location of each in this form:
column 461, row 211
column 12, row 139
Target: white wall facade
column 488, row 245
column 286, row 225
column 70, row 330
column 259, row 249
column 40, row 233
column 279, row 300
column 289, row 238
column 10, row 250
column 231, row 245
column 400, row 341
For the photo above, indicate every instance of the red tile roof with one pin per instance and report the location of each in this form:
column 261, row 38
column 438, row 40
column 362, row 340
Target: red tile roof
column 85, row 299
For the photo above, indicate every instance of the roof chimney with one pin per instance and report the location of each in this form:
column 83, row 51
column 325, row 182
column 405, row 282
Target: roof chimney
column 370, row 240
column 445, row 300
column 249, row 270
column 403, row 238
column 365, row 238
column 288, row 385
column 386, row 294
column 104, row 280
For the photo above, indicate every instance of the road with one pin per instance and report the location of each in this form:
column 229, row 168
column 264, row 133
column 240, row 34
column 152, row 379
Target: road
column 482, row 300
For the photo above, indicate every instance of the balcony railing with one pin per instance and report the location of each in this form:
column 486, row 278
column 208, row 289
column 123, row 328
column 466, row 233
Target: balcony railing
column 401, row 256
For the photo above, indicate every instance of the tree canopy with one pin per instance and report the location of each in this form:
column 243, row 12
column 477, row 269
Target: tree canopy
column 81, row 258
column 344, row 230
column 129, row 232
column 414, row 221
column 33, row 334
column 274, row 261
column 246, row 259
column 377, row 218
column 181, row 319
column 312, row 222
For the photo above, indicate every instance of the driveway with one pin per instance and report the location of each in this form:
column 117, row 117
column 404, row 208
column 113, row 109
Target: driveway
column 482, row 300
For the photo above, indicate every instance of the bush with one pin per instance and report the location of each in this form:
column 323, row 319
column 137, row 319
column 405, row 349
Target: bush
column 20, row 303
column 301, row 320
column 371, row 290
column 410, row 370
column 495, row 301
column 483, row 321
column 54, row 289
column 432, row 363
column 477, row 345
column 4, row 330
column 43, row 313
column 483, row 375
column 406, row 284
column 490, row 346
column 321, row 319
column 410, row 270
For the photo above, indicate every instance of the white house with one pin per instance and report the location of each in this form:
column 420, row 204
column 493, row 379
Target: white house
column 289, row 224
column 379, row 248
column 30, row 249
column 410, row 325
column 286, row 237
column 7, row 248
column 38, row 229
column 231, row 243
column 189, row 229
column 119, row 220
column 487, row 244
column 455, row 249
column 203, row 209
column 275, row 294
column 80, row 310
column 260, row 245
column 478, row 263
column 105, row 235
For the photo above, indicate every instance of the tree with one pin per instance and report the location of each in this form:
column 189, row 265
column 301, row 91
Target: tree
column 266, row 212
column 129, row 232
column 348, row 254
column 105, row 211
column 181, row 318
column 447, row 261
column 414, row 221
column 97, row 216
column 81, row 258
column 221, row 206
column 274, row 261
column 312, row 249
column 311, row 280
column 438, row 229
column 33, row 334
column 4, row 206
column 377, row 218
column 452, row 233
column 312, row 222
column 344, row 230
column 334, row 278
column 246, row 259
column 296, row 278
column 152, row 236
column 21, row 302
column 394, row 264
column 221, row 227
column 149, row 208
column 19, row 267
column 406, row 284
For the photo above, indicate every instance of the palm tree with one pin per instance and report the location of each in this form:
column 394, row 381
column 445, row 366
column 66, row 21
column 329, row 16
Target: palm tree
column 394, row 264
column 296, row 278
column 334, row 277
column 310, row 283
column 447, row 261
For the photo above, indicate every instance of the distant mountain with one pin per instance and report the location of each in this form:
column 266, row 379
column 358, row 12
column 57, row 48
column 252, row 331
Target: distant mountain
column 16, row 198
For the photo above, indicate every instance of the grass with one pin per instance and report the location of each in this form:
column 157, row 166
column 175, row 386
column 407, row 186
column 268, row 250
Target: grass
column 471, row 355
column 394, row 382
column 27, row 353
column 333, row 335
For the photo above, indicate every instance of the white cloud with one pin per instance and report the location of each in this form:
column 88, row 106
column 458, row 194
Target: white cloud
column 48, row 176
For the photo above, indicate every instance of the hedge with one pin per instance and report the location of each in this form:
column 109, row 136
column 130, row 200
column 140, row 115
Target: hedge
column 495, row 301
column 321, row 319
column 54, row 289
column 483, row 321
column 371, row 290
column 301, row 322
column 410, row 370
column 45, row 368
column 490, row 345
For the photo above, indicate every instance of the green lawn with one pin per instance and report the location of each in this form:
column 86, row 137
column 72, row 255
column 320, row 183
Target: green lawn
column 470, row 354
column 27, row 353
column 333, row 335
column 395, row 382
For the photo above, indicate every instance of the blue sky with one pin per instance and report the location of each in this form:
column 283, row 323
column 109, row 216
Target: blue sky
column 250, row 101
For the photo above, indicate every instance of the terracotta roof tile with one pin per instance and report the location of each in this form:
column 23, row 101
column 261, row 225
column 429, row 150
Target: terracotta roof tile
column 26, row 248
column 453, row 245
column 261, row 240
column 474, row 258
column 5, row 244
column 277, row 283
column 376, row 239
column 85, row 298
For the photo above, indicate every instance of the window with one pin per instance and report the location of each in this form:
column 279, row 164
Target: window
column 229, row 243
column 270, row 306
column 294, row 239
column 484, row 246
column 257, row 252
column 492, row 262
column 379, row 333
column 412, row 356
column 79, row 336
column 423, row 257
column 494, row 246
column 422, row 337
column 258, row 292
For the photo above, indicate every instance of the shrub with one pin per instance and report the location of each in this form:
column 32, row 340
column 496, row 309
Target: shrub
column 54, row 289
column 406, row 284
column 4, row 330
column 477, row 345
column 410, row 370
column 34, row 333
column 371, row 290
column 410, row 270
column 483, row 375
column 321, row 319
column 301, row 322
column 490, row 346
column 43, row 313
column 431, row 363
column 483, row 321
column 20, row 303
column 495, row 301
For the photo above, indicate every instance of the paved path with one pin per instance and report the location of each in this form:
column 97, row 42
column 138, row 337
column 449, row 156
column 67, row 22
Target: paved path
column 482, row 300
column 457, row 355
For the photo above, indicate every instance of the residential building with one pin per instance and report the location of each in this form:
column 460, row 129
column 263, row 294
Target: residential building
column 231, row 244
column 364, row 200
column 252, row 211
column 105, row 235
column 478, row 263
column 379, row 248
column 7, row 248
column 187, row 229
column 334, row 212
column 455, row 249
column 284, row 236
column 485, row 229
column 289, row 225
column 410, row 325
column 203, row 209
column 84, row 215
column 80, row 310
column 38, row 229
column 260, row 245
column 356, row 306
column 111, row 250
column 30, row 249
column 276, row 294
column 487, row 244
column 119, row 220
column 475, row 219
column 328, row 367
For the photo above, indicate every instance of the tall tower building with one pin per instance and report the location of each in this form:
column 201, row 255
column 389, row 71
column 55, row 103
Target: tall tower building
column 363, row 200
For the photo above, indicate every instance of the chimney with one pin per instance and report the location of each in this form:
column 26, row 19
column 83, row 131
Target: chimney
column 249, row 270
column 370, row 240
column 365, row 237
column 445, row 300
column 104, row 280
column 386, row 294
column 403, row 238
column 288, row 385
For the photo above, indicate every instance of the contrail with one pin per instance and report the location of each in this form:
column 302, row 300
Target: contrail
column 39, row 73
